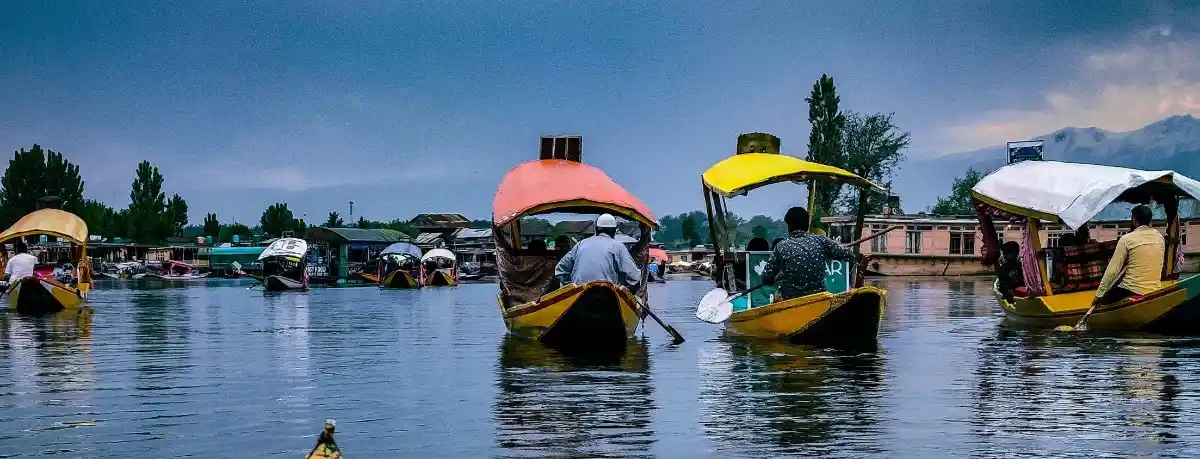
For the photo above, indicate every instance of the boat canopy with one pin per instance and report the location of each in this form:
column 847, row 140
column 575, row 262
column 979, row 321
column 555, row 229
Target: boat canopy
column 658, row 254
column 402, row 248
column 439, row 253
column 741, row 173
column 51, row 222
column 355, row 235
column 555, row 185
column 1073, row 193
column 288, row 247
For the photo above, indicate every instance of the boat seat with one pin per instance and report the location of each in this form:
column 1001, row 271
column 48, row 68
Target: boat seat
column 1080, row 268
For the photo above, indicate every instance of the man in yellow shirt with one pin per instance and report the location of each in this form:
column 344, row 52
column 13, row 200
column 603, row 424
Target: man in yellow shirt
column 1136, row 266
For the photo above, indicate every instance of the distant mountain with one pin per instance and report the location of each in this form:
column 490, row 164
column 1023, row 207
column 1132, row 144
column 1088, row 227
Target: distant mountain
column 1172, row 143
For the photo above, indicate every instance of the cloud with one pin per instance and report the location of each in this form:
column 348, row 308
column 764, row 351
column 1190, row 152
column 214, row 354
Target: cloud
column 1153, row 76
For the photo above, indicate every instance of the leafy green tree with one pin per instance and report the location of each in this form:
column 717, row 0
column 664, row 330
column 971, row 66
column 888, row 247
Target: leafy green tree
column 825, row 140
column 959, row 201
column 688, row 231
column 148, row 220
column 536, row 226
column 177, row 214
column 277, row 219
column 334, row 221
column 760, row 231
column 874, row 147
column 364, row 223
column 480, row 224
column 34, row 174
column 242, row 231
column 212, row 226
column 100, row 219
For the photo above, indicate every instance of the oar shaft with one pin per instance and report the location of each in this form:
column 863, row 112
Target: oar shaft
column 873, row 236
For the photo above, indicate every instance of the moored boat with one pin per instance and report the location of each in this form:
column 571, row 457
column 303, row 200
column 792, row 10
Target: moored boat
column 399, row 266
column 44, row 292
column 1035, row 194
column 591, row 314
column 171, row 270
column 130, row 270
column 848, row 313
column 285, row 265
column 658, row 257
column 438, row 268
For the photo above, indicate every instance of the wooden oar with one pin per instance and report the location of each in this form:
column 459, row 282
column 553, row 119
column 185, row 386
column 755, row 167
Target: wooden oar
column 674, row 333
column 873, row 236
column 1082, row 324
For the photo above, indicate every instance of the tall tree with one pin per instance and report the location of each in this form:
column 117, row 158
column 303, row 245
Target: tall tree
column 99, row 218
column 874, row 147
column 277, row 219
column 148, row 206
column 364, row 223
column 825, row 144
column 334, row 221
column 177, row 214
column 959, row 201
column 689, row 232
column 36, row 173
column 242, row 231
column 212, row 226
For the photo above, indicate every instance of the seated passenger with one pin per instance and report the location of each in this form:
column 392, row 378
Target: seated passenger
column 1136, row 266
column 1011, row 276
column 536, row 245
column 758, row 244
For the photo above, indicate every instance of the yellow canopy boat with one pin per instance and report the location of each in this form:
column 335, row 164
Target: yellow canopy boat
column 1034, row 194
column 589, row 314
column 42, row 292
column 848, row 313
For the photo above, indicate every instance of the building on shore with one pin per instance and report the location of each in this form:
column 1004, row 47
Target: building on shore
column 341, row 255
column 437, row 230
column 931, row 245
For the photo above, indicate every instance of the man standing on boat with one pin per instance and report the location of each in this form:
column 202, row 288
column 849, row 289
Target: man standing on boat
column 1137, row 264
column 20, row 265
column 797, row 264
column 598, row 258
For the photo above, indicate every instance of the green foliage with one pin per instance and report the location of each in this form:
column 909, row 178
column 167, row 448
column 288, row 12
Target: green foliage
column 533, row 225
column 480, row 224
column 193, row 231
column 688, row 231
column 397, row 224
column 212, row 226
column 334, row 221
column 959, row 201
column 177, row 214
column 101, row 219
column 244, row 232
column 148, row 218
column 363, row 223
column 825, row 139
column 277, row 219
column 874, row 147
column 34, row 174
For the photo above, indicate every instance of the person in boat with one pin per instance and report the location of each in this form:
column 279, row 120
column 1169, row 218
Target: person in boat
column 653, row 271
column 776, row 242
column 20, row 265
column 797, row 265
column 597, row 258
column 562, row 243
column 537, row 245
column 1137, row 264
column 758, row 244
column 1010, row 274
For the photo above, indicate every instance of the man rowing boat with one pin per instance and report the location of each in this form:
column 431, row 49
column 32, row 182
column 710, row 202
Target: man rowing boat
column 797, row 264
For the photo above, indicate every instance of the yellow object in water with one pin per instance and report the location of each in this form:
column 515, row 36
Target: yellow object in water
column 38, row 296
column 399, row 279
column 851, row 317
column 326, row 448
column 597, row 311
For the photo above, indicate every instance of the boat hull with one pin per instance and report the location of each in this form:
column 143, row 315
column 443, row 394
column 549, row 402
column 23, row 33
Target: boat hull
column 440, row 278
column 399, row 279
column 177, row 278
column 1172, row 309
column 281, row 283
column 847, row 318
column 41, row 296
column 595, row 313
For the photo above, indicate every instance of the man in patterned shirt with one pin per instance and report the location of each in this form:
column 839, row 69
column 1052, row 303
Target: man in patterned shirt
column 797, row 265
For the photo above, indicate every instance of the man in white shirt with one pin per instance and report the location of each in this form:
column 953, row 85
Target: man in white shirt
column 20, row 265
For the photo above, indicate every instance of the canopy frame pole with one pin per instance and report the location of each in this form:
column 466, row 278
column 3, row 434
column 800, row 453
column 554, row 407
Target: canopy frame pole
column 812, row 202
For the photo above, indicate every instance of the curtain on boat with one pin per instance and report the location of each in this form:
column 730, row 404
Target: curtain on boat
column 1030, row 268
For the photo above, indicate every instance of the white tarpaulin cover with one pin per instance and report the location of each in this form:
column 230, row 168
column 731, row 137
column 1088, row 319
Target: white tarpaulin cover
column 438, row 253
column 1071, row 191
column 285, row 247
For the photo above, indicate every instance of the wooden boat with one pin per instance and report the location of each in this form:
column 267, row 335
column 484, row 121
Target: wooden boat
column 285, row 265
column 399, row 266
column 659, row 257
column 130, row 270
column 172, row 270
column 42, row 292
column 1039, row 193
column 595, row 313
column 326, row 447
column 847, row 314
column 438, row 268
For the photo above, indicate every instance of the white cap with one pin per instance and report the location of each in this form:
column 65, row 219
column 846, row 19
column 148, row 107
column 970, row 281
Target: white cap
column 606, row 221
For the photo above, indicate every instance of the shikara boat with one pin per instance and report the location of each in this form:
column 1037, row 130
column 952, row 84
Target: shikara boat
column 326, row 447
column 590, row 314
column 43, row 292
column 659, row 257
column 172, row 270
column 285, row 265
column 1034, row 194
column 126, row 271
column 400, row 266
column 438, row 268
column 847, row 314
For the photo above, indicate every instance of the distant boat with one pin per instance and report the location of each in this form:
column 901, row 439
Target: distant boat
column 400, row 266
column 43, row 292
column 125, row 271
column 172, row 270
column 285, row 265
column 438, row 268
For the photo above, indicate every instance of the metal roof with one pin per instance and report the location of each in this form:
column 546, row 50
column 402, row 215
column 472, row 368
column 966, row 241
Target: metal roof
column 428, row 238
column 227, row 251
column 379, row 235
column 472, row 233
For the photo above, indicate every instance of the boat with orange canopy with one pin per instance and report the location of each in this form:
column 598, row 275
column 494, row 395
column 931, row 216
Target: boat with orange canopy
column 592, row 313
column 659, row 257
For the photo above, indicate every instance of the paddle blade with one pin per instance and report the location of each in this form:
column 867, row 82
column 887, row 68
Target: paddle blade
column 714, row 308
column 1064, row 328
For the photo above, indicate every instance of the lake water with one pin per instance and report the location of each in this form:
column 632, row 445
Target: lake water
column 215, row 370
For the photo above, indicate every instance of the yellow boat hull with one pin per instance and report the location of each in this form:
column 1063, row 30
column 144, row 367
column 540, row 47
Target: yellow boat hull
column 851, row 317
column 1173, row 308
column 326, row 447
column 588, row 313
column 399, row 279
column 439, row 278
column 39, row 296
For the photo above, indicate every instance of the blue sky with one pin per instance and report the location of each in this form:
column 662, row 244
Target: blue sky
column 408, row 107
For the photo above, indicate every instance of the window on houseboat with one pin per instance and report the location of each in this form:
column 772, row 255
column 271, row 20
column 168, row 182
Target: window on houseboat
column 962, row 243
column 912, row 242
column 1052, row 239
column 879, row 245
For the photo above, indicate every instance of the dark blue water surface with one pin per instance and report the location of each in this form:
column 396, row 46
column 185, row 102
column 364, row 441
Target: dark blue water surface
column 212, row 369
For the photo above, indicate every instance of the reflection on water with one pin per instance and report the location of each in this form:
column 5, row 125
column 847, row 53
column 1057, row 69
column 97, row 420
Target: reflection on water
column 207, row 368
column 573, row 404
